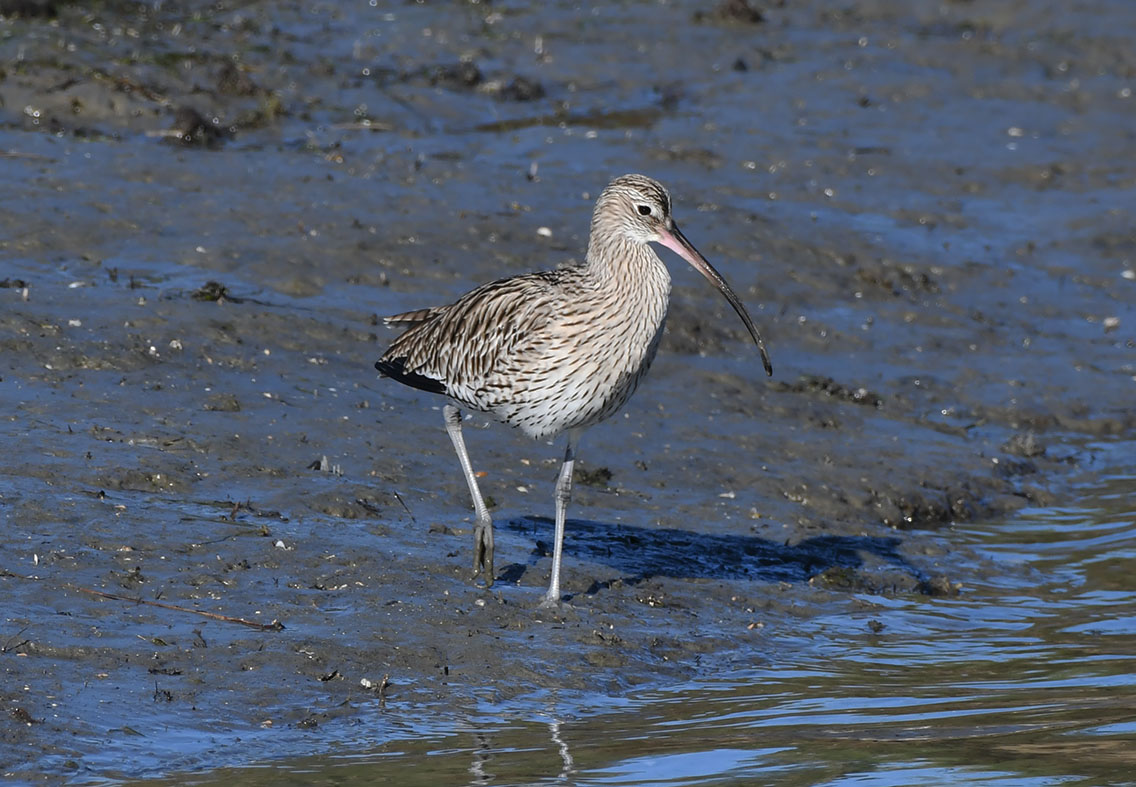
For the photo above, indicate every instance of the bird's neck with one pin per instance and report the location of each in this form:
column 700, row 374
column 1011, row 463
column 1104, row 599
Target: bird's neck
column 622, row 267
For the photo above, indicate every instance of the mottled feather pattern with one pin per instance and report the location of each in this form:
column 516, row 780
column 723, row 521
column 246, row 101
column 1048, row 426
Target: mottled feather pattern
column 416, row 316
column 531, row 352
column 557, row 351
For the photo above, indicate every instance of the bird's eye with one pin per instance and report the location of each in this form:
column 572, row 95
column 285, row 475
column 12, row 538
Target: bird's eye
column 644, row 210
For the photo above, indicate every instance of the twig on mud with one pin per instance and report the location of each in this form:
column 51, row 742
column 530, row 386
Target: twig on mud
column 220, row 540
column 9, row 646
column 22, row 155
column 398, row 497
column 369, row 125
column 275, row 625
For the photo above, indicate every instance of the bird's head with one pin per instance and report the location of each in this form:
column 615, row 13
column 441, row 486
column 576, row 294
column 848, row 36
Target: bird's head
column 637, row 209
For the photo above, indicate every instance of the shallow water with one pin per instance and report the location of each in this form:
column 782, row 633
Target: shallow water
column 1025, row 680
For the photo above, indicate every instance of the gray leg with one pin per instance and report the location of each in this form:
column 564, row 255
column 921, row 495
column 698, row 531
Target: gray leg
column 483, row 528
column 563, row 495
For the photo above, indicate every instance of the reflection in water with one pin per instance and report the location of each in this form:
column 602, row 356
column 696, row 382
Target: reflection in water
column 565, row 755
column 490, row 744
column 1026, row 678
column 481, row 755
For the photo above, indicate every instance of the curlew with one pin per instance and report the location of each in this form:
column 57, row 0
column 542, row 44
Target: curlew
column 556, row 351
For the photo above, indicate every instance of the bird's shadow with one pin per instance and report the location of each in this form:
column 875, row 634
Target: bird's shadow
column 641, row 553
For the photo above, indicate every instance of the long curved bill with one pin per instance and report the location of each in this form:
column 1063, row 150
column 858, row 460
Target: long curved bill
column 674, row 240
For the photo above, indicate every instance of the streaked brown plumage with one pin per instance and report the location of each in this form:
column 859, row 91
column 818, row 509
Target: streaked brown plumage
column 556, row 351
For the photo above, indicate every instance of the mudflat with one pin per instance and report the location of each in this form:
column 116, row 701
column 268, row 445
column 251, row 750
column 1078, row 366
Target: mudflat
column 221, row 524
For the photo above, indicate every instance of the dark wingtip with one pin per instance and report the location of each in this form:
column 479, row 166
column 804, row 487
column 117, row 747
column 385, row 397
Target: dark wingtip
column 395, row 369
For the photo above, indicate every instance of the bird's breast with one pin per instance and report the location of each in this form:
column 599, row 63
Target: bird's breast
column 588, row 364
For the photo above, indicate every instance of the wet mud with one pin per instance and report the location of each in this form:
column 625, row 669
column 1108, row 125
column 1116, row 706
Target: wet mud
column 225, row 539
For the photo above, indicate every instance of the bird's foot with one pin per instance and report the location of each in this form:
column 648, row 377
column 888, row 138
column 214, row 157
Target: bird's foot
column 551, row 601
column 483, row 550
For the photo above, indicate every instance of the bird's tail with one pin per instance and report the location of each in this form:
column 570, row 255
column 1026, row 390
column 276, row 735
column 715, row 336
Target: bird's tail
column 412, row 318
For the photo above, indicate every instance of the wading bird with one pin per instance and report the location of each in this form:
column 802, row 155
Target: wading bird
column 556, row 351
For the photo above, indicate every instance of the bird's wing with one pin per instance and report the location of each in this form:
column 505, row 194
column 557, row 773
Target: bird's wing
column 462, row 349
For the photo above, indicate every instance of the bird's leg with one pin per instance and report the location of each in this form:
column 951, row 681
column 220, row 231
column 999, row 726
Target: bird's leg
column 563, row 495
column 483, row 528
